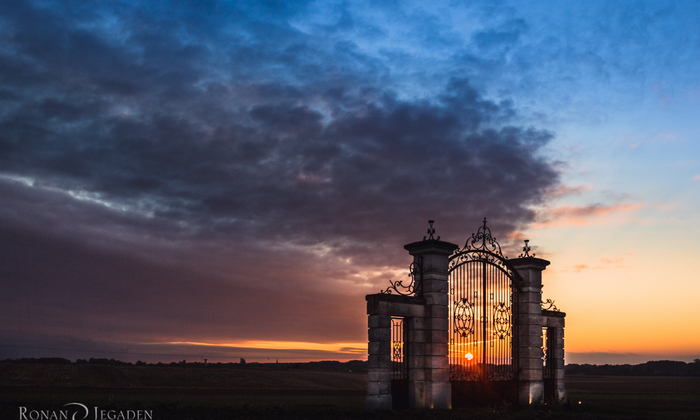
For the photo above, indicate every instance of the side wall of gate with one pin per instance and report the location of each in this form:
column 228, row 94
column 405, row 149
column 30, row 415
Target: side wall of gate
column 381, row 308
column 531, row 320
column 553, row 369
column 425, row 314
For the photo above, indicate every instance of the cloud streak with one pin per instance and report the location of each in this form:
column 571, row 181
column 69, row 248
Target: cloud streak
column 582, row 215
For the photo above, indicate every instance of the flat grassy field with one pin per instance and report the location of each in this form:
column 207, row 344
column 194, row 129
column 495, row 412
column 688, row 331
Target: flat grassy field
column 656, row 397
column 234, row 392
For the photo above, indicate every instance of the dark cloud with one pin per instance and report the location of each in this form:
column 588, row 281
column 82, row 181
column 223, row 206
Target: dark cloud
column 177, row 174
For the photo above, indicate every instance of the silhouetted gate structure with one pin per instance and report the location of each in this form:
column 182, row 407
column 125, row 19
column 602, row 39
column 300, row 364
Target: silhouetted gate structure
column 470, row 327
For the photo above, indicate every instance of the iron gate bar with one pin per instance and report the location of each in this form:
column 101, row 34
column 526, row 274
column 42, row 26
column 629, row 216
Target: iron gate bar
column 485, row 320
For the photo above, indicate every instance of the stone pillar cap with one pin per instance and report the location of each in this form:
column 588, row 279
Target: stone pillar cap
column 525, row 262
column 430, row 246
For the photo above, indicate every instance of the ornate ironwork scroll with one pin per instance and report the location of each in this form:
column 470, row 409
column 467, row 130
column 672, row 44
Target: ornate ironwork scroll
column 463, row 373
column 415, row 272
column 397, row 352
column 500, row 376
column 548, row 305
column 399, row 367
column 544, row 346
column 415, row 287
column 501, row 320
column 526, row 251
column 483, row 241
column 548, row 346
column 431, row 232
column 464, row 318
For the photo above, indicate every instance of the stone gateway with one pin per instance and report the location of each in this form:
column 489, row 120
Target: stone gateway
column 469, row 329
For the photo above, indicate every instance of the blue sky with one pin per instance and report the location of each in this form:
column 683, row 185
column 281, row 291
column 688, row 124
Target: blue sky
column 235, row 174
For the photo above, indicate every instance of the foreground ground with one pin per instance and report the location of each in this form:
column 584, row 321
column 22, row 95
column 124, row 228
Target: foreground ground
column 226, row 392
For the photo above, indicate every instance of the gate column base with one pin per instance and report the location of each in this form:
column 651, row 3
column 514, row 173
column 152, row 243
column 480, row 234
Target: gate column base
column 530, row 392
column 560, row 389
column 416, row 394
column 441, row 395
column 430, row 394
column 378, row 402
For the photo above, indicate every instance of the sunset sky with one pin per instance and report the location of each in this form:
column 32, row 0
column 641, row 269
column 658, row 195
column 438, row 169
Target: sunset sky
column 203, row 179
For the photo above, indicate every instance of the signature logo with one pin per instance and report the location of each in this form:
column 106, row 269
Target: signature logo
column 81, row 411
column 83, row 406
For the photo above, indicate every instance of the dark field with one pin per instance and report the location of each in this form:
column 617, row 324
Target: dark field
column 232, row 392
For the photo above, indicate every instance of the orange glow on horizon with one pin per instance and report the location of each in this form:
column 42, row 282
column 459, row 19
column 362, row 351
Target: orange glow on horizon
column 349, row 348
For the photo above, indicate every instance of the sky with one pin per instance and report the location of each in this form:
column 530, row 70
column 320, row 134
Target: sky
column 190, row 180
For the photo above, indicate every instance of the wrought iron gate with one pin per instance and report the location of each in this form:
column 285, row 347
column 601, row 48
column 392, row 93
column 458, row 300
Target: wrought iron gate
column 482, row 345
column 399, row 363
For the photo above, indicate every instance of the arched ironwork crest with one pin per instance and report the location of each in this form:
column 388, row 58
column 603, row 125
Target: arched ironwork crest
column 482, row 246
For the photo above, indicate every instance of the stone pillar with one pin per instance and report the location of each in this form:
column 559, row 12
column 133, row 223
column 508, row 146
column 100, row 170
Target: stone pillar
column 431, row 388
column 379, row 361
column 529, row 335
column 555, row 322
column 417, row 333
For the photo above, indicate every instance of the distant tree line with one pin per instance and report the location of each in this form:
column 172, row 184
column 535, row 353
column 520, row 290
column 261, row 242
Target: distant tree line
column 102, row 361
column 44, row 360
column 655, row 368
column 326, row 365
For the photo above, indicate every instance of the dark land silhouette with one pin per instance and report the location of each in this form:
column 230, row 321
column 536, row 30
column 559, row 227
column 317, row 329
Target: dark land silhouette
column 326, row 389
column 651, row 368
